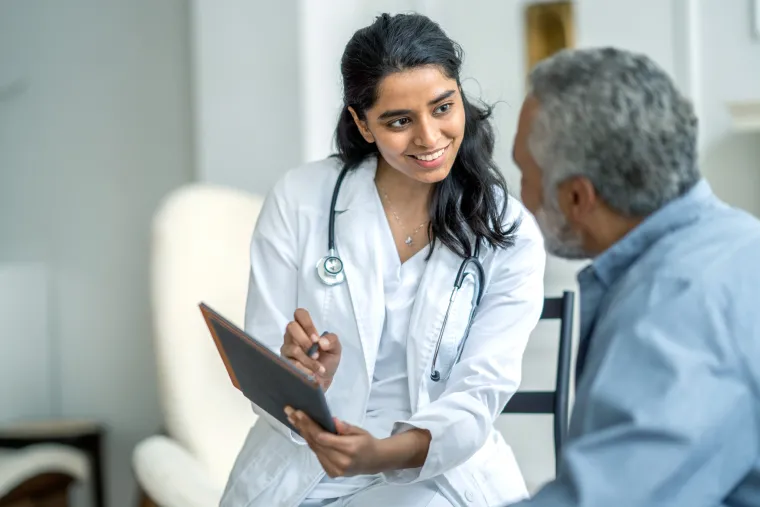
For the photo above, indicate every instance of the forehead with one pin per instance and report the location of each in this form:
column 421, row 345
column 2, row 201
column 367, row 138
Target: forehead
column 520, row 149
column 527, row 115
column 413, row 88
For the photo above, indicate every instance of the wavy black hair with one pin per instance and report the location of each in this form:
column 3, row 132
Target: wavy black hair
column 472, row 200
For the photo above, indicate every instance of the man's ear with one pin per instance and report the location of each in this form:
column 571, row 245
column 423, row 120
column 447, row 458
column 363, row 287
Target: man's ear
column 577, row 198
column 362, row 126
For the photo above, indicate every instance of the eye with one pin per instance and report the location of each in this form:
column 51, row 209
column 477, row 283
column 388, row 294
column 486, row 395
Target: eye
column 400, row 123
column 443, row 108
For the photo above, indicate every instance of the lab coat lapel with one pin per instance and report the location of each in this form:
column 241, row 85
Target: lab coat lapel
column 426, row 319
column 356, row 237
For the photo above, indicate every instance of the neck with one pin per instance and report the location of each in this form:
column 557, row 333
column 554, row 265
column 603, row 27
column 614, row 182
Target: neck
column 610, row 232
column 408, row 195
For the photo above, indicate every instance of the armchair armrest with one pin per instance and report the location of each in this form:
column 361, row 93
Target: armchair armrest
column 171, row 476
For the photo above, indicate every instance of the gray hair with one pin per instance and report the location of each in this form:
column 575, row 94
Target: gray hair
column 617, row 119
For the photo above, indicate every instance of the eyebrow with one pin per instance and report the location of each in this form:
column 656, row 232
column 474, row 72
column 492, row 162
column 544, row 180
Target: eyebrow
column 401, row 112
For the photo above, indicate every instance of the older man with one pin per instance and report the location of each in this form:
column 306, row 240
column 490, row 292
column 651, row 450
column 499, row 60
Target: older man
column 666, row 410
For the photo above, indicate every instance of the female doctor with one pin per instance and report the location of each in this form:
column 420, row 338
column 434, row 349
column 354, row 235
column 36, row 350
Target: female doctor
column 404, row 259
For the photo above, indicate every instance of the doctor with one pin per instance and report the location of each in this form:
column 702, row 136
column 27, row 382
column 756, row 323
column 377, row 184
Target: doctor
column 425, row 278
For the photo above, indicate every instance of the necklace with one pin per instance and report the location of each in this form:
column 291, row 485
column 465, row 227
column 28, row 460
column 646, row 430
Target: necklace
column 409, row 241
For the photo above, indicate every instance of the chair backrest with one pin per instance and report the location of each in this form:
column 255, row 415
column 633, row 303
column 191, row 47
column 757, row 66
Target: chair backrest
column 553, row 402
column 200, row 252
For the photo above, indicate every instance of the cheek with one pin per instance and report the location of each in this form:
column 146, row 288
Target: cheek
column 392, row 144
column 531, row 195
column 454, row 127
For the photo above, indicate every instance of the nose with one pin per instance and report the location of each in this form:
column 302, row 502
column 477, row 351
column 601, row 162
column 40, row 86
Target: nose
column 427, row 133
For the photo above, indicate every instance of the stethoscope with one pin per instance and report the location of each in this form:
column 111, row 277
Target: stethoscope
column 330, row 271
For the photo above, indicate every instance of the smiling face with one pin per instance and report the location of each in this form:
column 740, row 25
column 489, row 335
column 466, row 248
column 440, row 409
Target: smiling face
column 417, row 123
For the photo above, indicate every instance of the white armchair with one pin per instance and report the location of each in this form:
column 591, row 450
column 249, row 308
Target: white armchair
column 201, row 237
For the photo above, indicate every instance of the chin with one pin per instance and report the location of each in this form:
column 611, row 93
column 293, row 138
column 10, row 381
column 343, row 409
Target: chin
column 431, row 176
column 559, row 240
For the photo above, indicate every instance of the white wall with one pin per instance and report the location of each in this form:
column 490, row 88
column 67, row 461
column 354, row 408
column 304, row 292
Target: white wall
column 729, row 55
column 97, row 131
column 26, row 340
column 326, row 27
column 262, row 111
column 247, row 124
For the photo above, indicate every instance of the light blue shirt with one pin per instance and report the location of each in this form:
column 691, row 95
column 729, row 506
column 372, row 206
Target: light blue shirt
column 666, row 410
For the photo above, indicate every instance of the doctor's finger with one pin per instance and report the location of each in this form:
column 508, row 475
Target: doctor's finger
column 335, row 464
column 307, row 427
column 303, row 318
column 329, row 343
column 294, row 333
column 332, row 469
column 302, row 368
column 295, row 353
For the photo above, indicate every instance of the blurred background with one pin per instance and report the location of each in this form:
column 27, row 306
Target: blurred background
column 109, row 107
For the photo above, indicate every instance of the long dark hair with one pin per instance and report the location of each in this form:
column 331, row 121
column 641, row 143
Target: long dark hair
column 472, row 200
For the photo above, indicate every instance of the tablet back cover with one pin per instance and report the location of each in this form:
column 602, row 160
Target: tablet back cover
column 265, row 378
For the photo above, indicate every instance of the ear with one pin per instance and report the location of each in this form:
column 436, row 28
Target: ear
column 577, row 198
column 362, row 126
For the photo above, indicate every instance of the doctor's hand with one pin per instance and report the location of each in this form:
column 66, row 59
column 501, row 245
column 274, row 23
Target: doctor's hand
column 355, row 451
column 300, row 335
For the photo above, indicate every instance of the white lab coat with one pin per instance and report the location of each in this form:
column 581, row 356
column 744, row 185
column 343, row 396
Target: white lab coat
column 468, row 459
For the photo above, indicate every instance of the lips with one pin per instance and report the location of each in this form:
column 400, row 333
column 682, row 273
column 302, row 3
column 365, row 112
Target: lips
column 433, row 160
column 429, row 157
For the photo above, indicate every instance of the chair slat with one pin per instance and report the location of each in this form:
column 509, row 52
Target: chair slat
column 552, row 309
column 531, row 402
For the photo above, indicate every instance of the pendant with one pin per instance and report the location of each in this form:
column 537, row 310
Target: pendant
column 408, row 241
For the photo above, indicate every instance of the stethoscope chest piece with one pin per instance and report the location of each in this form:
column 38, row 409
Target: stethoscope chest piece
column 330, row 269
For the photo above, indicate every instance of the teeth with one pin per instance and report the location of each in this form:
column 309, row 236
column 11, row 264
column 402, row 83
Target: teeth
column 432, row 156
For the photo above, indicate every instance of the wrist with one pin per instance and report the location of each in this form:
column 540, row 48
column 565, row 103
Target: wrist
column 408, row 449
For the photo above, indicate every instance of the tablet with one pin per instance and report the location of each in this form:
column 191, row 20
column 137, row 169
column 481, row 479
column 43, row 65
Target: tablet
column 265, row 378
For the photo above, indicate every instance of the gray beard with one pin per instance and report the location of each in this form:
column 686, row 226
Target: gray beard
column 559, row 239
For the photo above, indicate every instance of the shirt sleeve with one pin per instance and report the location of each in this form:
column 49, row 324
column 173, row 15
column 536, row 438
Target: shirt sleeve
column 489, row 370
column 667, row 417
column 272, row 286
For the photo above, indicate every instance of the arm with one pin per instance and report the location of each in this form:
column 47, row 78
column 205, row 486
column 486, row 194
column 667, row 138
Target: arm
column 408, row 449
column 666, row 419
column 354, row 451
column 489, row 370
column 273, row 284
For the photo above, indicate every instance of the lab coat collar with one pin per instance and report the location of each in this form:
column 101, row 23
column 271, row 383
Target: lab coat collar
column 355, row 237
column 358, row 190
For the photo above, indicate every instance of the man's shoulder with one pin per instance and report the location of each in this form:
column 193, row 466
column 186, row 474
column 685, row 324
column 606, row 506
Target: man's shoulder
column 708, row 268
column 713, row 249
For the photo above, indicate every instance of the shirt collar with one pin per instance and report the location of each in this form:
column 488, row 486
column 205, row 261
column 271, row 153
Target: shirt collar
column 614, row 261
